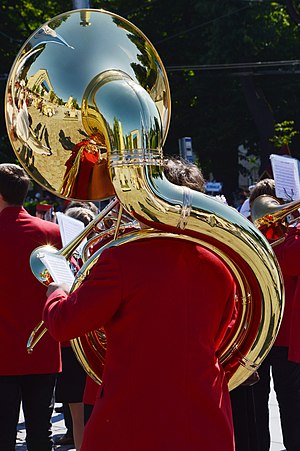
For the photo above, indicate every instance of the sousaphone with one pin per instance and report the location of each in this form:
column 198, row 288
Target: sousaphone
column 90, row 115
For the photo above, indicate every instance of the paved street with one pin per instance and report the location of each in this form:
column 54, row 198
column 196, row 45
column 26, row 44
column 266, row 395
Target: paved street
column 59, row 429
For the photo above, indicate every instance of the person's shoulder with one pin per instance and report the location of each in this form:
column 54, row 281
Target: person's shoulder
column 134, row 247
column 170, row 246
column 289, row 247
column 42, row 224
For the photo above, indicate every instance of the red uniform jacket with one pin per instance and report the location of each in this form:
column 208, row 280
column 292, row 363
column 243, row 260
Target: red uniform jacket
column 165, row 305
column 90, row 391
column 22, row 295
column 288, row 253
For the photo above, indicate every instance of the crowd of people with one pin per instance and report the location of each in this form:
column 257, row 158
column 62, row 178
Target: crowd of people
column 163, row 387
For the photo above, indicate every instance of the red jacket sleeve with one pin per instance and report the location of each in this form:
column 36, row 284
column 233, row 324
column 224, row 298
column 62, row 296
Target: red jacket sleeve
column 90, row 306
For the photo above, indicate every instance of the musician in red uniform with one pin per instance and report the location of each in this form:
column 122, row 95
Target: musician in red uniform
column 165, row 305
column 163, row 387
column 25, row 378
column 284, row 358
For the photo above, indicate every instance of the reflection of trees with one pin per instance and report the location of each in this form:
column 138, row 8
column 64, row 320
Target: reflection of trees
column 144, row 77
column 155, row 136
column 118, row 134
column 74, row 104
column 57, row 22
column 134, row 138
column 146, row 72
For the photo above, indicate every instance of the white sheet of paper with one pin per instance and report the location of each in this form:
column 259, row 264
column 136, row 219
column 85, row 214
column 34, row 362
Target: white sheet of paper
column 70, row 228
column 286, row 176
column 58, row 267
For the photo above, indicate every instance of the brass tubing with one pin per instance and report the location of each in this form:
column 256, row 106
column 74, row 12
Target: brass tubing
column 38, row 332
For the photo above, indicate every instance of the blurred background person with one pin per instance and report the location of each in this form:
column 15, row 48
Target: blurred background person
column 24, row 378
column 283, row 361
column 71, row 381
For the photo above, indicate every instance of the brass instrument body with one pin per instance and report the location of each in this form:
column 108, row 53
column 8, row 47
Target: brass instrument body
column 79, row 73
column 103, row 236
column 266, row 210
column 270, row 217
column 119, row 97
column 37, row 266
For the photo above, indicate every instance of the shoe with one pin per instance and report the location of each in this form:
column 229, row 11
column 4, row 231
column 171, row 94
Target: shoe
column 64, row 440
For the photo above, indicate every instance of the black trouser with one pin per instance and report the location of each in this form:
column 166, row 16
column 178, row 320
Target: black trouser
column 36, row 394
column 88, row 409
column 286, row 378
column 244, row 419
column 68, row 420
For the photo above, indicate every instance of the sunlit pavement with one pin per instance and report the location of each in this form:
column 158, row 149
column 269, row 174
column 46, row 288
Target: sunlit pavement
column 276, row 435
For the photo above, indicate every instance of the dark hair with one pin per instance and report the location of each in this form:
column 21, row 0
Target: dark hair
column 184, row 173
column 83, row 214
column 14, row 183
column 265, row 186
column 84, row 204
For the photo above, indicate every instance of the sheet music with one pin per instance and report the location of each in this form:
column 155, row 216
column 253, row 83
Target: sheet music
column 58, row 267
column 286, row 176
column 69, row 229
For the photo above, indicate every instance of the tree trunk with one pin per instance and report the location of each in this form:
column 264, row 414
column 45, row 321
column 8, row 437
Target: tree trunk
column 293, row 11
column 263, row 117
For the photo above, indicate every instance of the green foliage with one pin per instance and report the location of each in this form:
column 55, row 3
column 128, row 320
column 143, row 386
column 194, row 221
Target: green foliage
column 284, row 133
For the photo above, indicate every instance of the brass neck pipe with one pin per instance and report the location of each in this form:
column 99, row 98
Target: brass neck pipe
column 68, row 250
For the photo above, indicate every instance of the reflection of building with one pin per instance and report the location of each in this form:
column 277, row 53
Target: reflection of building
column 118, row 135
column 133, row 139
column 130, row 141
column 39, row 82
column 69, row 103
column 85, row 18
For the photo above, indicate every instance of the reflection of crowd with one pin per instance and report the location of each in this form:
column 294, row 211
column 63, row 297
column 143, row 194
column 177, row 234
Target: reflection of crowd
column 44, row 108
column 19, row 120
column 11, row 116
column 23, row 121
